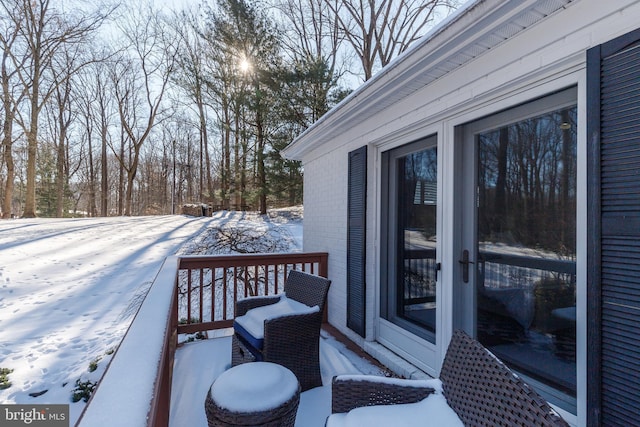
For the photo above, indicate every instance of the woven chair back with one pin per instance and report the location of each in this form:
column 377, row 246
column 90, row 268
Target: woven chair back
column 307, row 288
column 485, row 392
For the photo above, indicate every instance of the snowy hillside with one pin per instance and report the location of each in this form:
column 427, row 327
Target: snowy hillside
column 69, row 288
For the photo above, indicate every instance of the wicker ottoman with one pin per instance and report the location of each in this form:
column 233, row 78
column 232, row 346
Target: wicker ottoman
column 253, row 394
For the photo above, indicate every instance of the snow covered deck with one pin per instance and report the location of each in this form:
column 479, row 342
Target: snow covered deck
column 198, row 363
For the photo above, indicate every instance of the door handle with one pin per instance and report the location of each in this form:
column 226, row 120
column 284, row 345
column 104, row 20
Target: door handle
column 465, row 265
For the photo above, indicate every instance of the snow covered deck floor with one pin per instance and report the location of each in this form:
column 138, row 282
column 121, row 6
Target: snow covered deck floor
column 198, row 363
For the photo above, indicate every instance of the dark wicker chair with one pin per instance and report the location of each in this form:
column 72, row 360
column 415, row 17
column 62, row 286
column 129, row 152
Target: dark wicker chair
column 477, row 386
column 291, row 341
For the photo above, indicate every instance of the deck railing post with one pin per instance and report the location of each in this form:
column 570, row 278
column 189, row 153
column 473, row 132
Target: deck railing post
column 323, row 267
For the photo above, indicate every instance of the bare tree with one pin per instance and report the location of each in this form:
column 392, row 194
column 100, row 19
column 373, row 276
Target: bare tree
column 43, row 31
column 64, row 115
column 11, row 99
column 140, row 87
column 379, row 30
column 313, row 30
column 94, row 101
column 89, row 127
column 86, row 104
column 313, row 40
column 104, row 118
column 191, row 76
column 228, row 124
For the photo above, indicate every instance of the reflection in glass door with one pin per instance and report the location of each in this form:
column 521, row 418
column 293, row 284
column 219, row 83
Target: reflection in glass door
column 410, row 297
column 525, row 243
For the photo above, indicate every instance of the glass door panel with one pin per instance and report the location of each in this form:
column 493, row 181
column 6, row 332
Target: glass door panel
column 524, row 286
column 410, row 297
column 416, row 281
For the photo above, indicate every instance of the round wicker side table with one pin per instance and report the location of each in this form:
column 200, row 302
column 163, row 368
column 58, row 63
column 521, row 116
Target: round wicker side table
column 253, row 394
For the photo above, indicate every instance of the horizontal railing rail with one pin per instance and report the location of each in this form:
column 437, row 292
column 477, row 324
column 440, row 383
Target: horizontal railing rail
column 143, row 361
column 537, row 263
column 500, row 271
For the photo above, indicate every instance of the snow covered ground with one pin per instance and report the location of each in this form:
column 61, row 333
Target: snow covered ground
column 69, row 289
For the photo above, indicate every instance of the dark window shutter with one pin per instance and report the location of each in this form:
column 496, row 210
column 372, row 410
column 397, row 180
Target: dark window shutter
column 613, row 257
column 356, row 244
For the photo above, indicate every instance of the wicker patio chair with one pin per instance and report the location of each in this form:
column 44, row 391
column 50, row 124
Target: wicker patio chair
column 292, row 341
column 477, row 386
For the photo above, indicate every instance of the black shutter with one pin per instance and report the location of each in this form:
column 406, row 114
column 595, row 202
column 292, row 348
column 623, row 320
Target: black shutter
column 356, row 240
column 613, row 257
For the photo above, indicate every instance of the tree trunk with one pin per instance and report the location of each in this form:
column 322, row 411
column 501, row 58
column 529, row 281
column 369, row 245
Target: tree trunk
column 238, row 190
column 7, row 132
column 131, row 176
column 32, row 150
column 566, row 214
column 226, row 168
column 7, row 205
column 500, row 207
column 104, row 181
column 93, row 211
column 121, row 178
column 60, row 173
column 207, row 157
column 32, row 142
column 262, row 177
column 61, row 155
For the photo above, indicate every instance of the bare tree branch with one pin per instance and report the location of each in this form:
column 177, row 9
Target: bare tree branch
column 379, row 30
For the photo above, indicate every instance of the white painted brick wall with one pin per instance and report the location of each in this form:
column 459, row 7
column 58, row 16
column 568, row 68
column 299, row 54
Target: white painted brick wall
column 325, row 222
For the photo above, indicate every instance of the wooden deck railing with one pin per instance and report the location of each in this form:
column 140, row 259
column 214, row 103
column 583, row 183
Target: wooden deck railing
column 198, row 294
column 209, row 286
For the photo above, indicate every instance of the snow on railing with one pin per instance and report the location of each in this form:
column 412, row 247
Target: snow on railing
column 136, row 388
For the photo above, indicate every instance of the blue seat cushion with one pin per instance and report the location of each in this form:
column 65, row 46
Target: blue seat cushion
column 249, row 339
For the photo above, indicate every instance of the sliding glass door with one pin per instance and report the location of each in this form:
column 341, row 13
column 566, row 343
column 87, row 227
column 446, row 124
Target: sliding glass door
column 518, row 254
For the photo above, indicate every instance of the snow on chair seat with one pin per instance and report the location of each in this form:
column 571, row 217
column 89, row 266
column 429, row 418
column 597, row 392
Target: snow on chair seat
column 477, row 386
column 251, row 325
